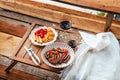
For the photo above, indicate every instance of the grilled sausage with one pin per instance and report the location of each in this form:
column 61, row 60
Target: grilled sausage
column 50, row 59
column 57, row 58
column 62, row 57
column 67, row 58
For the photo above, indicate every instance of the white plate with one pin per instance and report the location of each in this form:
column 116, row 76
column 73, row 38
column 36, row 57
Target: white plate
column 61, row 45
column 43, row 44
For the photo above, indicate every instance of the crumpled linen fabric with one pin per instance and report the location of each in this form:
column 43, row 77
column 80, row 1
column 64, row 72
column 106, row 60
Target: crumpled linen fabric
column 97, row 58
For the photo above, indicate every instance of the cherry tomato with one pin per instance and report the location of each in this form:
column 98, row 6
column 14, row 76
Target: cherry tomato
column 50, row 51
column 41, row 35
column 58, row 48
column 65, row 51
column 45, row 32
column 36, row 33
column 55, row 52
column 41, row 31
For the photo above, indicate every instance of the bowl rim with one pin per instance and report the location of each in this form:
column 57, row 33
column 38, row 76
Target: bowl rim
column 43, row 44
column 56, row 44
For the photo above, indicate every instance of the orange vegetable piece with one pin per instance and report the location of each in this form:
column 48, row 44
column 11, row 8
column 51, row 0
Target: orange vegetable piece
column 55, row 52
column 51, row 33
column 44, row 39
column 65, row 51
column 50, row 38
column 50, row 51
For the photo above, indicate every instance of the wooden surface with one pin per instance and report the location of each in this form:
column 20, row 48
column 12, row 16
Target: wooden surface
column 10, row 37
column 116, row 31
column 8, row 43
column 16, row 75
column 51, row 12
column 115, row 26
column 26, row 35
column 21, row 56
column 7, row 48
column 11, row 29
column 24, row 20
column 104, row 5
column 56, row 14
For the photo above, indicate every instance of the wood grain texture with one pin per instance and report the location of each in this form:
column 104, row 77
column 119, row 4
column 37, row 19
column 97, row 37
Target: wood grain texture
column 12, row 15
column 11, row 29
column 53, row 7
column 16, row 75
column 8, row 44
column 106, row 5
column 115, row 30
column 62, row 8
column 20, row 54
column 53, row 14
column 23, row 40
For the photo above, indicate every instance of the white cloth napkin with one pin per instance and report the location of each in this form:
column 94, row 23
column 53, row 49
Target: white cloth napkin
column 97, row 58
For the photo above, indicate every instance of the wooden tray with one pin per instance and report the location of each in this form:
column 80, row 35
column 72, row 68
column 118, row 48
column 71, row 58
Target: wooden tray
column 20, row 55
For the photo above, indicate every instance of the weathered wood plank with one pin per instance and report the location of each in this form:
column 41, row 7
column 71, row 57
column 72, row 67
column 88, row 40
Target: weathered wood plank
column 42, row 66
column 16, row 75
column 115, row 30
column 69, row 9
column 107, row 5
column 53, row 15
column 78, row 18
column 23, row 40
column 17, row 18
column 21, row 57
column 29, row 19
column 8, row 44
column 11, row 29
column 13, row 21
column 22, row 50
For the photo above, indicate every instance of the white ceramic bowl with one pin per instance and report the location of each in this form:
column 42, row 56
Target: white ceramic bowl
column 61, row 45
column 46, row 43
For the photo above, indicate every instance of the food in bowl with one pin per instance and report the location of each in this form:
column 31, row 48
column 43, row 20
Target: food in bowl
column 61, row 49
column 57, row 56
column 43, row 36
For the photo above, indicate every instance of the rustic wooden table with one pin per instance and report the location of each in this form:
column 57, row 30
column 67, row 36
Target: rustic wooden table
column 58, row 10
column 19, row 55
column 57, row 13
